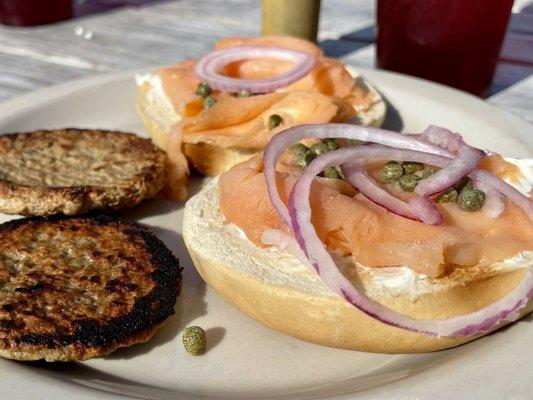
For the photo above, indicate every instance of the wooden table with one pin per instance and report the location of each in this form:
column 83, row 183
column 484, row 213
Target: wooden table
column 162, row 32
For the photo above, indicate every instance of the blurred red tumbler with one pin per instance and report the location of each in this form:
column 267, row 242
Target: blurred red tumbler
column 454, row 42
column 34, row 12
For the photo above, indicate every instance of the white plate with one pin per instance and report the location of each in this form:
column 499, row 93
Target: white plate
column 246, row 360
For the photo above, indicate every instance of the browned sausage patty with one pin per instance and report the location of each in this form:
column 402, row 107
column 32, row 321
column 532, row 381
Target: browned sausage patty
column 72, row 171
column 73, row 288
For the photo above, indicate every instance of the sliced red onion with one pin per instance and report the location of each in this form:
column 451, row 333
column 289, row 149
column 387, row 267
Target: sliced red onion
column 418, row 208
column 443, row 138
column 306, row 236
column 281, row 141
column 208, row 67
column 426, row 209
column 493, row 205
column 465, row 162
column 489, row 178
column 507, row 190
column 284, row 139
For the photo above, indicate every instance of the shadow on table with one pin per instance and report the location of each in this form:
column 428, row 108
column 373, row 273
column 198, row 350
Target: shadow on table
column 348, row 42
column 338, row 47
column 366, row 34
column 83, row 8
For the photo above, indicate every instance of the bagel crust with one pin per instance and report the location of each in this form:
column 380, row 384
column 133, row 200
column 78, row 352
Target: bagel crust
column 280, row 292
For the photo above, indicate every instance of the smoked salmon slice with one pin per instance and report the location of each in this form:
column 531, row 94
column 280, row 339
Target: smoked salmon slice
column 354, row 226
column 328, row 93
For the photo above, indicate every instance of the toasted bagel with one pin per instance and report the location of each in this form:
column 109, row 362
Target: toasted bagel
column 278, row 290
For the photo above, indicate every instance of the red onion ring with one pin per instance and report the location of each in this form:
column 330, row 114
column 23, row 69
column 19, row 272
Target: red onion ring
column 465, row 162
column 443, row 138
column 300, row 213
column 419, row 208
column 288, row 137
column 208, row 67
column 507, row 190
column 446, row 137
column 493, row 205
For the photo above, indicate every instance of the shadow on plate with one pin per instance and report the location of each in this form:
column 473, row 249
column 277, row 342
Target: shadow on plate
column 151, row 208
column 393, row 119
column 399, row 367
column 87, row 376
column 160, row 205
column 190, row 304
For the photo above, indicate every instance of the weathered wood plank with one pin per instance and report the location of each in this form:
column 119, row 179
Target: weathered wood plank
column 521, row 23
column 137, row 37
column 167, row 31
column 517, row 47
column 517, row 99
column 21, row 74
column 508, row 74
column 364, row 57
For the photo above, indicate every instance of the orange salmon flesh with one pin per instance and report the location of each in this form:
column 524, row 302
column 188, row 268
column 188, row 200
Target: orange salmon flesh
column 354, row 226
column 328, row 93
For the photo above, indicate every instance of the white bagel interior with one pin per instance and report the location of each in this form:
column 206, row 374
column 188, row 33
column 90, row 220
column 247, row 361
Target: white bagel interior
column 279, row 291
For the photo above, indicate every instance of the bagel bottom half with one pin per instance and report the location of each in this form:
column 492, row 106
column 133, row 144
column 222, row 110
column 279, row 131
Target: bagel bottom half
column 279, row 291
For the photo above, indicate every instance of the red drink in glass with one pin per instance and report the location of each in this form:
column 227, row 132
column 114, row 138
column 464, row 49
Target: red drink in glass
column 454, row 42
column 34, row 12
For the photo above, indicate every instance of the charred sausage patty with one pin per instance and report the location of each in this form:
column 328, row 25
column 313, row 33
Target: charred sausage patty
column 73, row 288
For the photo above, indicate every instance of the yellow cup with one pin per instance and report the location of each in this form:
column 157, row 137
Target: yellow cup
column 291, row 17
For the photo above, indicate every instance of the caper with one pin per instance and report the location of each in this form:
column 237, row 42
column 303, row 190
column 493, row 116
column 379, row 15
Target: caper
column 339, row 172
column 332, row 173
column 203, row 90
column 392, row 171
column 244, row 93
column 410, row 167
column 306, row 159
column 470, row 199
column 194, row 340
column 299, row 149
column 464, row 183
column 319, row 148
column 274, row 121
column 408, row 182
column 331, row 143
column 427, row 172
column 209, row 102
column 449, row 196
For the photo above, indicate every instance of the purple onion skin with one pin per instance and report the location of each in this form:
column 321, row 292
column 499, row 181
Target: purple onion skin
column 468, row 324
column 465, row 325
column 208, row 66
